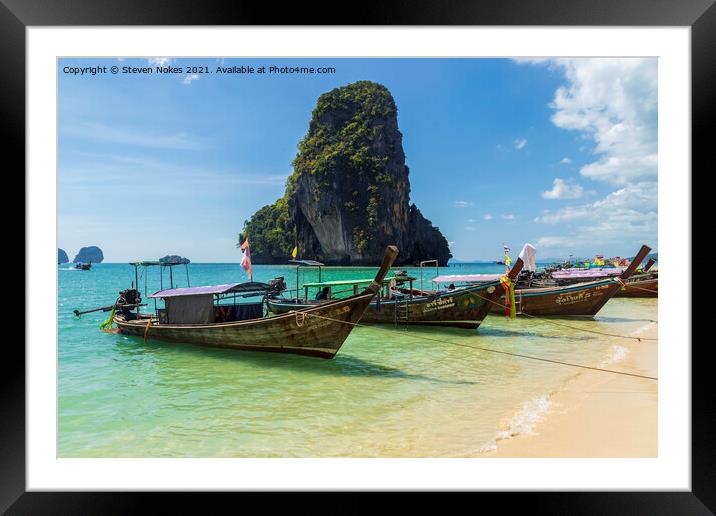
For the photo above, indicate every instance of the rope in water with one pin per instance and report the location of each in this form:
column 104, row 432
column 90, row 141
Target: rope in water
column 518, row 355
column 146, row 330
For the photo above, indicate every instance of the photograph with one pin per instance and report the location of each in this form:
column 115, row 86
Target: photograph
column 357, row 257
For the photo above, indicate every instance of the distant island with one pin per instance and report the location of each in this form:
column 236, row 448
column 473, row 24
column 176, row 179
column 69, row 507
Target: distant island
column 348, row 196
column 91, row 254
column 62, row 256
column 174, row 258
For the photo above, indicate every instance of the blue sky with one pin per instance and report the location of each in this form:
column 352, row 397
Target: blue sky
column 559, row 153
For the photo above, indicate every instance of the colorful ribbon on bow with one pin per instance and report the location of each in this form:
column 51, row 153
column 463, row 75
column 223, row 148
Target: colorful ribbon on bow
column 106, row 325
column 509, row 286
column 621, row 282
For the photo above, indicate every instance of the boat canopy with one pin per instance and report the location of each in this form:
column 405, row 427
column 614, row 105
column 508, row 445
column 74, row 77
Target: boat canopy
column 155, row 263
column 252, row 286
column 309, row 263
column 587, row 273
column 398, row 279
column 467, row 278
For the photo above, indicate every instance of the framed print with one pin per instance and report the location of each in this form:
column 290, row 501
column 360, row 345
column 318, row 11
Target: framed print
column 417, row 252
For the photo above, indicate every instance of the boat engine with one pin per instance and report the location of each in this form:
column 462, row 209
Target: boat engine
column 131, row 296
column 276, row 285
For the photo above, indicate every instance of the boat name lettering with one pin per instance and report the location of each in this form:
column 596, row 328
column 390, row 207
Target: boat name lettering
column 569, row 299
column 439, row 304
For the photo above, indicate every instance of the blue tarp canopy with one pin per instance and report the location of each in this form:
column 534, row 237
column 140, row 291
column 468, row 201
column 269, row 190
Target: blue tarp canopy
column 311, row 263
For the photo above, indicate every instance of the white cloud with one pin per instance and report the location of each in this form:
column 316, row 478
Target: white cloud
column 487, row 216
column 566, row 160
column 160, row 61
column 471, row 221
column 627, row 215
column 463, row 204
column 611, row 102
column 519, row 143
column 562, row 189
column 508, row 217
column 190, row 78
column 469, row 228
column 614, row 103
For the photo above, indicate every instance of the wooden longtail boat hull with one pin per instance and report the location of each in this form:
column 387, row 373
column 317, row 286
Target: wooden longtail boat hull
column 460, row 308
column 320, row 332
column 584, row 299
column 640, row 288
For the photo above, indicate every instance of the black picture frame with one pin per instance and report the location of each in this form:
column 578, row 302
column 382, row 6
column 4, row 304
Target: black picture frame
column 17, row 15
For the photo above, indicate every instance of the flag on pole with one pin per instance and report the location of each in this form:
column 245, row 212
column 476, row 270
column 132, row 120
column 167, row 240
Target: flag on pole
column 294, row 253
column 246, row 258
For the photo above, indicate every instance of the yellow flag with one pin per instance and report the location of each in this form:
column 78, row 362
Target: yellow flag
column 294, row 253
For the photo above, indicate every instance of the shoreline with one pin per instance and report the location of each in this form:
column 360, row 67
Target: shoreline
column 598, row 414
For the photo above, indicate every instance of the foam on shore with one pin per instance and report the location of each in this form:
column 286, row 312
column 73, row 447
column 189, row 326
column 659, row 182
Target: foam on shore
column 523, row 422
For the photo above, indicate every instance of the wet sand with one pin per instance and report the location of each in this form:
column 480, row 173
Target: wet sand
column 599, row 414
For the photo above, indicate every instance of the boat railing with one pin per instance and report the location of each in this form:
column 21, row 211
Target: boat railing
column 426, row 263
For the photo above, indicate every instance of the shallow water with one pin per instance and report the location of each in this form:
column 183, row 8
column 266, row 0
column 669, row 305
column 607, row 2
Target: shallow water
column 426, row 392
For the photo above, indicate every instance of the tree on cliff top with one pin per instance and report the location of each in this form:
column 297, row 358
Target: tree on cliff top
column 345, row 127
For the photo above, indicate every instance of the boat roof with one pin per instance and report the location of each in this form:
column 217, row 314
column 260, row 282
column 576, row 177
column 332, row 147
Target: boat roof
column 311, row 263
column 252, row 286
column 587, row 273
column 462, row 278
column 387, row 279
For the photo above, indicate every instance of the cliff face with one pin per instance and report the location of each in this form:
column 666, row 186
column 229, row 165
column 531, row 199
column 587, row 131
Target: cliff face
column 91, row 254
column 348, row 197
column 62, row 256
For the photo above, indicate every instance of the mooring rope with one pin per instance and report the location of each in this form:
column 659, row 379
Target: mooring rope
column 576, row 328
column 642, row 288
column 518, row 355
column 146, row 329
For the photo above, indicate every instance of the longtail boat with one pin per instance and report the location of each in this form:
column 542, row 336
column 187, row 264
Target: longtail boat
column 83, row 266
column 580, row 299
column 458, row 307
column 194, row 315
column 641, row 285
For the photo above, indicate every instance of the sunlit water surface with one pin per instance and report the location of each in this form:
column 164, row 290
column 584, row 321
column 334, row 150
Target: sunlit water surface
column 389, row 392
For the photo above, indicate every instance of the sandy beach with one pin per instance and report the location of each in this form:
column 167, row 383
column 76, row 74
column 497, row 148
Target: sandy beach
column 599, row 414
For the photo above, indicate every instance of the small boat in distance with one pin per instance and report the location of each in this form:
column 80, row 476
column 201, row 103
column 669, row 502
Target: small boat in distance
column 195, row 315
column 83, row 266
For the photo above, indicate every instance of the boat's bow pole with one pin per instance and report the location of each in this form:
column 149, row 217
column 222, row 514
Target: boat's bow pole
column 648, row 265
column 645, row 249
column 391, row 253
column 515, row 270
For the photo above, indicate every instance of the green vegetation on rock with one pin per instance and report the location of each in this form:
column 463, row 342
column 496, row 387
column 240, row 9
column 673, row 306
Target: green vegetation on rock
column 270, row 232
column 348, row 195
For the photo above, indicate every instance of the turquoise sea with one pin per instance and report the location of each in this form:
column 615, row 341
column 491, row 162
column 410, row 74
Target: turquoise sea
column 388, row 393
